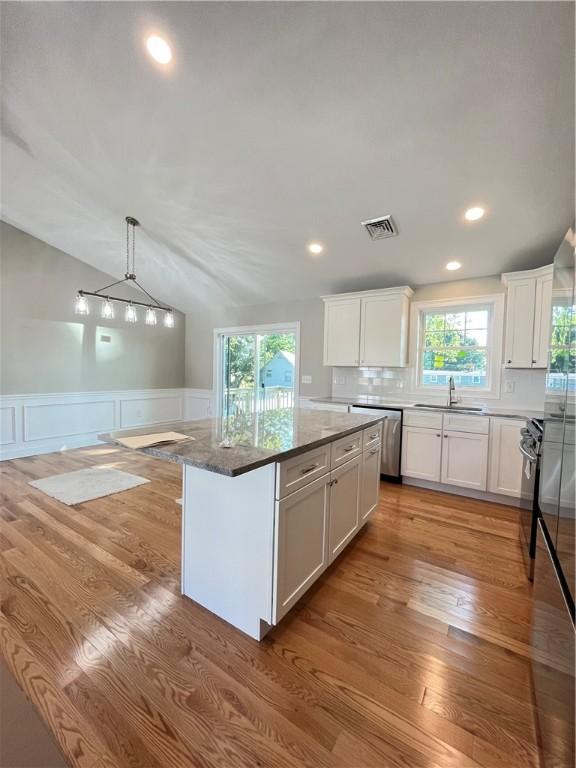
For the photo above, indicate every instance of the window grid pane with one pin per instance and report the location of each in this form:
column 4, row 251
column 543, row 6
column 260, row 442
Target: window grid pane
column 455, row 344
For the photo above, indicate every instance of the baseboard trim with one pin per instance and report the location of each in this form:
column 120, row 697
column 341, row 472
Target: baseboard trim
column 471, row 493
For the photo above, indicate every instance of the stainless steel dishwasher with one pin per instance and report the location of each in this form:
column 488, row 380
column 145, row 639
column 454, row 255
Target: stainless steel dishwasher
column 391, row 437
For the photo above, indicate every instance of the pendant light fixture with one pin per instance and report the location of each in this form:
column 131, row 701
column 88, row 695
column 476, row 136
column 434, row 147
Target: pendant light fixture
column 130, row 313
column 107, row 310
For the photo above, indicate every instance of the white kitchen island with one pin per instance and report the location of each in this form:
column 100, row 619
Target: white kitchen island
column 269, row 501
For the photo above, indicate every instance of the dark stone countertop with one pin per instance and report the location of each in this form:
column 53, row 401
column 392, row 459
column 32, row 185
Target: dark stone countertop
column 254, row 439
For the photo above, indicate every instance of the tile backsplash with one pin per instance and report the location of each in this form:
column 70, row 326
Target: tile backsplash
column 525, row 387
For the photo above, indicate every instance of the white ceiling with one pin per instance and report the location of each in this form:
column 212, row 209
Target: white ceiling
column 281, row 123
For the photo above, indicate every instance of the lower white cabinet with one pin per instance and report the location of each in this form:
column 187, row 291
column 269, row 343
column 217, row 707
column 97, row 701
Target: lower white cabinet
column 473, row 452
column 301, row 551
column 344, row 497
column 421, row 453
column 439, row 455
column 464, row 459
column 369, row 482
column 505, row 466
column 315, row 522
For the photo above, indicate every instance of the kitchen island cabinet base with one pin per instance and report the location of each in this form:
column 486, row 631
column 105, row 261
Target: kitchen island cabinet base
column 227, row 545
column 250, row 550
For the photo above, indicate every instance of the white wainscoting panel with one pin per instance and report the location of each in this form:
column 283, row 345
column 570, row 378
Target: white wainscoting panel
column 7, row 425
column 44, row 423
column 197, row 404
column 150, row 410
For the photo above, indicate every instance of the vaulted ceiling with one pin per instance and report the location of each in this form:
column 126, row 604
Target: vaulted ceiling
column 281, row 123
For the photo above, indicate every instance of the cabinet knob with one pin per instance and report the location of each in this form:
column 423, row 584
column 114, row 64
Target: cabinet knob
column 534, row 362
column 438, row 434
column 508, row 362
column 445, row 436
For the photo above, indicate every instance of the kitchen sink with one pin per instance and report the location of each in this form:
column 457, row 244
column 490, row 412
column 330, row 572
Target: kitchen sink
column 461, row 408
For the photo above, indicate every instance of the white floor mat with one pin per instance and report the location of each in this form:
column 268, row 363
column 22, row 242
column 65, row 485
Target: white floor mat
column 86, row 484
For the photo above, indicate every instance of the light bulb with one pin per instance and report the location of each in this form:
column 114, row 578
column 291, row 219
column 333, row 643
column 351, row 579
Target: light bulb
column 150, row 318
column 81, row 307
column 473, row 214
column 130, row 315
column 159, row 49
column 315, row 248
column 107, row 310
column 169, row 320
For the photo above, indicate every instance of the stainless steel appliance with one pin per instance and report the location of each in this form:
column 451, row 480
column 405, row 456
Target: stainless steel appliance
column 553, row 634
column 530, row 448
column 391, row 437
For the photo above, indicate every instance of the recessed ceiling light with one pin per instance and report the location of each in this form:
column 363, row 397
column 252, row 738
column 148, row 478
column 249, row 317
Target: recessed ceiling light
column 452, row 265
column 473, row 214
column 159, row 49
column 315, row 248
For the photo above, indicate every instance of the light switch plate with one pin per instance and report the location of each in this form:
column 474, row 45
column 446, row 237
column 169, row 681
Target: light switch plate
column 509, row 387
column 306, row 379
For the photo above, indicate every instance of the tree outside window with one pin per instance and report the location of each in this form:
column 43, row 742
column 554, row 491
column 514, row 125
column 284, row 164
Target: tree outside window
column 455, row 343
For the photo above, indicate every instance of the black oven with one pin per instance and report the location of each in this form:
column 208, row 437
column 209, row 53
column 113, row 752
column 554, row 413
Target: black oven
column 530, row 448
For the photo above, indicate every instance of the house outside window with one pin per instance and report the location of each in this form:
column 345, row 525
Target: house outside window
column 460, row 339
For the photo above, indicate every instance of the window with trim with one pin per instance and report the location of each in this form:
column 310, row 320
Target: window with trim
column 562, row 350
column 456, row 341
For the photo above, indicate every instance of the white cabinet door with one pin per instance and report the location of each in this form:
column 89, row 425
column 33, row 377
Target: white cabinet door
column 383, row 332
column 520, row 304
column 464, row 459
column 344, row 505
column 342, row 332
column 369, row 482
column 505, row 462
column 542, row 318
column 421, row 453
column 300, row 544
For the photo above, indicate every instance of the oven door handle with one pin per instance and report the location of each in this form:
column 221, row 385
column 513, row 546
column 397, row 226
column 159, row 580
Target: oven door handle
column 528, row 452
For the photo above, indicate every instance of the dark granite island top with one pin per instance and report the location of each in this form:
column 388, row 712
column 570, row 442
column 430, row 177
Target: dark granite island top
column 238, row 444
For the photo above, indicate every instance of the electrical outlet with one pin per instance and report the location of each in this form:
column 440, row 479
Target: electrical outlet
column 509, row 387
column 306, row 379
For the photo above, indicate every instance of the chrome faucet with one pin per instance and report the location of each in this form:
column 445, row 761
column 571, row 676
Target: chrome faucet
column 452, row 399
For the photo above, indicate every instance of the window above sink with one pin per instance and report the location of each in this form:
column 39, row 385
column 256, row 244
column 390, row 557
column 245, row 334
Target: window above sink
column 460, row 338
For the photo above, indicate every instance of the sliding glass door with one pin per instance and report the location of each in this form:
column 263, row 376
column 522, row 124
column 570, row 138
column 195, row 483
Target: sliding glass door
column 257, row 370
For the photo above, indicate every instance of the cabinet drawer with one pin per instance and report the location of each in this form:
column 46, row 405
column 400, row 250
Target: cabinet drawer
column 300, row 470
column 456, row 422
column 345, row 449
column 371, row 436
column 422, row 419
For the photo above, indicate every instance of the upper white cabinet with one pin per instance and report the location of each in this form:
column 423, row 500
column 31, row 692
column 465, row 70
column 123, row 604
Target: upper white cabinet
column 368, row 328
column 342, row 332
column 528, row 308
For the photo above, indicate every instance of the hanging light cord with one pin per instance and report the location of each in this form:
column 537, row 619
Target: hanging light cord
column 130, row 276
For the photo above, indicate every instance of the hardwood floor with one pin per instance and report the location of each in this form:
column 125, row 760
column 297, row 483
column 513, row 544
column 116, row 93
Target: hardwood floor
column 412, row 650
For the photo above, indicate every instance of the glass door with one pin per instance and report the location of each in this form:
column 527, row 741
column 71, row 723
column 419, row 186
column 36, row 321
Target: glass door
column 257, row 371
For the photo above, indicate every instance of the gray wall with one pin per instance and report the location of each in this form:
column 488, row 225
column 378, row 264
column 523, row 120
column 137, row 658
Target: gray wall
column 45, row 347
column 310, row 313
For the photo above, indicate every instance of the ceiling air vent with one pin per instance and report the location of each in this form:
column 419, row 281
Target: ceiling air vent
column 381, row 227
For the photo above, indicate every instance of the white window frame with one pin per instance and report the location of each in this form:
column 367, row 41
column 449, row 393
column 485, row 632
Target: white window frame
column 495, row 304
column 220, row 333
